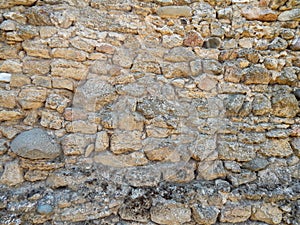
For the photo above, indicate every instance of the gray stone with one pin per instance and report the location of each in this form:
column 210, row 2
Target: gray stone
column 276, row 147
column 256, row 164
column 297, row 94
column 126, row 141
column 256, row 75
column 212, row 42
column 278, row 44
column 293, row 14
column 210, row 170
column 295, row 44
column 11, row 3
column 235, row 151
column 267, row 213
column 242, row 178
column 146, row 176
column 233, row 104
column 295, row 143
column 205, row 214
column 35, row 144
column 170, row 213
column 275, row 4
column 261, row 105
column 212, row 67
column 180, row 54
column 174, row 11
column 44, row 209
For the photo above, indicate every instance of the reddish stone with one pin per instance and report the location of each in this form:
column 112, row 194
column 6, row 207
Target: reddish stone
column 193, row 39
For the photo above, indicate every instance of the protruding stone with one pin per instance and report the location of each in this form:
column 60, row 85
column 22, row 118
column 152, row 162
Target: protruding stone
column 295, row 44
column 35, row 144
column 210, row 170
column 174, row 11
column 235, row 213
column 5, row 77
column 146, row 176
column 293, row 14
column 126, row 141
column 12, row 174
column 170, row 213
column 261, row 14
column 102, row 141
column 267, row 213
column 278, row 44
column 256, row 164
column 285, row 105
column 205, row 214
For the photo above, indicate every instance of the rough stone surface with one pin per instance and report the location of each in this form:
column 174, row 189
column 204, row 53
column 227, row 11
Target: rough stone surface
column 205, row 214
column 12, row 174
column 293, row 14
column 267, row 213
column 35, row 144
column 174, row 11
column 256, row 13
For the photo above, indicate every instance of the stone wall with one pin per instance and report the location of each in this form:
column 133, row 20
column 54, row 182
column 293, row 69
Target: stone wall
column 149, row 112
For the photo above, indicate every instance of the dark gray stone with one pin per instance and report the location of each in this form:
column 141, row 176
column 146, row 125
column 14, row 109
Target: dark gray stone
column 35, row 144
column 256, row 164
column 297, row 94
column 213, row 42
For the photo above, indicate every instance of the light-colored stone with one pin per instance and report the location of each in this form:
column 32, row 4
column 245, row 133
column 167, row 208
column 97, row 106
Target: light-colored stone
column 277, row 148
column 12, row 174
column 6, row 115
column 32, row 97
column 126, row 141
column 36, row 48
column 8, row 99
column 35, row 144
column 80, row 126
column 267, row 213
column 75, row 144
column 5, row 77
column 68, row 69
column 102, row 141
column 143, row 176
column 34, row 66
column 293, row 14
column 52, row 120
column 285, row 105
column 174, row 11
column 210, row 170
column 69, row 53
column 205, row 214
column 11, row 66
column 170, row 213
column 11, row 3
column 261, row 14
column 235, row 213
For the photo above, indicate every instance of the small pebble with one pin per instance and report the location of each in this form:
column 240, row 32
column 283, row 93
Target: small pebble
column 44, row 209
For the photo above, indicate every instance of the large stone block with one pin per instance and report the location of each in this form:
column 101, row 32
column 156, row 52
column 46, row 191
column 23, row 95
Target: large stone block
column 174, row 11
column 35, row 144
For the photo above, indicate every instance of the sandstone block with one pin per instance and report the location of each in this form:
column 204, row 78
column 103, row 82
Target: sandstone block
column 126, row 141
column 75, row 144
column 174, row 11
column 36, row 175
column 211, row 170
column 34, row 66
column 278, row 44
column 68, row 69
column 285, row 105
column 19, row 80
column 39, row 16
column 256, row 164
column 84, row 127
column 261, row 14
column 277, row 148
column 295, row 46
column 52, row 120
column 146, row 176
column 69, row 53
column 295, row 143
column 182, row 172
column 235, row 151
column 261, row 105
column 32, row 97
column 12, row 174
column 102, row 141
column 193, row 39
column 11, row 66
column 36, row 48
column 180, row 54
column 62, row 83
column 8, row 99
column 256, row 75
column 267, row 213
column 35, row 144
column 171, row 41
column 242, row 178
column 10, row 3
column 235, row 213
column 6, row 115
column 170, row 213
column 123, row 57
column 57, row 102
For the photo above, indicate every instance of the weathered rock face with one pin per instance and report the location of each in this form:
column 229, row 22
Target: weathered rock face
column 149, row 112
column 35, row 144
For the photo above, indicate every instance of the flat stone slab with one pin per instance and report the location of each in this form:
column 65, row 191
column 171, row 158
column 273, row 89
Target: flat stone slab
column 174, row 11
column 35, row 144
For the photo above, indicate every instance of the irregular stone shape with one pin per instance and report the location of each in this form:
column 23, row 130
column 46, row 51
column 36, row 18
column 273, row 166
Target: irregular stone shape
column 252, row 138
column 295, row 143
column 261, row 14
column 287, row 76
column 75, row 144
column 5, row 77
column 32, row 97
column 288, row 15
column 57, row 102
column 36, row 175
column 193, row 39
column 36, row 48
column 12, row 174
column 285, row 105
column 35, row 144
column 176, row 70
column 242, row 178
column 80, row 126
column 69, row 53
column 174, row 11
column 62, row 83
column 10, row 3
column 210, row 170
column 102, row 141
column 272, row 177
column 212, row 42
column 146, row 176
column 235, row 213
column 6, row 115
column 267, row 213
column 136, row 209
column 204, row 148
column 35, row 66
column 180, row 54
column 261, row 105
column 182, row 172
column 205, row 214
column 11, row 66
column 256, row 75
column 235, row 151
column 233, row 104
column 212, row 66
column 278, row 44
column 124, row 57
column 295, row 45
column 170, row 213
column 7, row 99
column 126, row 141
column 256, row 164
column 52, row 120
column 121, row 161
column 276, row 148
column 171, row 41
column 225, row 13
column 275, row 4
column 68, row 69
column 93, row 95
column 39, row 16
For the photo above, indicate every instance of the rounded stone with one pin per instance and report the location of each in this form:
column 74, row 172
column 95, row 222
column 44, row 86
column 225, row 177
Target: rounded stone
column 44, row 209
column 35, row 144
